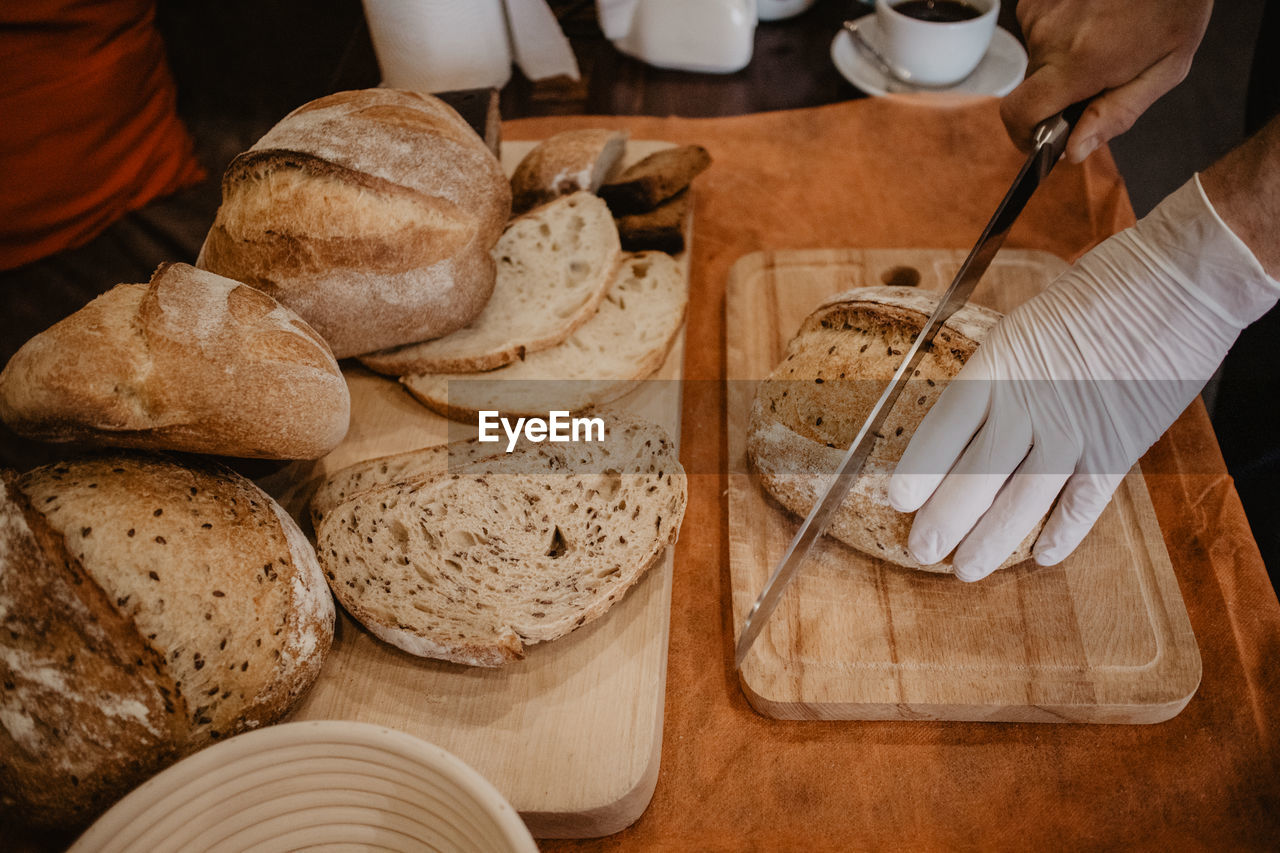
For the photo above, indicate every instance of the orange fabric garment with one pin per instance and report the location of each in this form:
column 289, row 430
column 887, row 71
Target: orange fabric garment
column 906, row 172
column 88, row 127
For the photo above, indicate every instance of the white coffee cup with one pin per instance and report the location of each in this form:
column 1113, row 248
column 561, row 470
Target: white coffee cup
column 936, row 53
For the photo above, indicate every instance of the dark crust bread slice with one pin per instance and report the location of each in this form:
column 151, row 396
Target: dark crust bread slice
column 660, row 229
column 644, row 185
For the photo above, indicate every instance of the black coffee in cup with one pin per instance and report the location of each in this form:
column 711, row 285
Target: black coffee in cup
column 945, row 11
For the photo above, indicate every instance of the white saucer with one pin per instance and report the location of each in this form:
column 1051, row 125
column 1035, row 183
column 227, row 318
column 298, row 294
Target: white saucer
column 997, row 74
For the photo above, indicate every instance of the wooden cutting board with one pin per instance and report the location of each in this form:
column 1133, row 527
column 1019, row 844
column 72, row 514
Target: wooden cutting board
column 572, row 734
column 1102, row 638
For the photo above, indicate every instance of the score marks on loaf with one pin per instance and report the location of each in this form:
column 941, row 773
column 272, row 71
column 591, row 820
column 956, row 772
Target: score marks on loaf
column 558, row 427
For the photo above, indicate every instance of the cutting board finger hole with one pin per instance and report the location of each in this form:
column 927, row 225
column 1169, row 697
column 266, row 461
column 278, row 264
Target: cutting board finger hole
column 901, row 276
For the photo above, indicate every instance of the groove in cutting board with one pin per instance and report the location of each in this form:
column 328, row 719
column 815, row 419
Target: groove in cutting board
column 1102, row 638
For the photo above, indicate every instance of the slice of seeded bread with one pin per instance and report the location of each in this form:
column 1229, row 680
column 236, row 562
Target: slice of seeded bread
column 554, row 266
column 522, row 548
column 646, row 184
column 624, row 342
column 566, row 163
column 413, row 466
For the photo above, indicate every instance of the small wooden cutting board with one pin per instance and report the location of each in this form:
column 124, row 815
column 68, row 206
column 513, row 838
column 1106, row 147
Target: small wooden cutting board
column 1102, row 638
column 572, row 734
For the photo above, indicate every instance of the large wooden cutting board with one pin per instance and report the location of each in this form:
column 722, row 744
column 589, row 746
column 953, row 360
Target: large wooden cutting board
column 1102, row 638
column 572, row 734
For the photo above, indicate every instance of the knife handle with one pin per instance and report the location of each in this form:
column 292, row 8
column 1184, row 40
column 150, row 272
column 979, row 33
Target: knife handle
column 1071, row 115
column 1050, row 136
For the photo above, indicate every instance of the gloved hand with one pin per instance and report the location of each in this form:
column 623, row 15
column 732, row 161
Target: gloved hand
column 1073, row 386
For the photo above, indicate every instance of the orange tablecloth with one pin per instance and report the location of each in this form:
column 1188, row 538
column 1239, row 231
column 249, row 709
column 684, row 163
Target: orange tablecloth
column 913, row 173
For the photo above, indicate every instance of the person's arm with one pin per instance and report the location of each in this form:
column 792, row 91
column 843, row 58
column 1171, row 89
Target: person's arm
column 1073, row 386
column 1244, row 187
column 1122, row 53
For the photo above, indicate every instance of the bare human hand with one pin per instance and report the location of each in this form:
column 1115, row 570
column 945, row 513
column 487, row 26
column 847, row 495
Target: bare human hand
column 1123, row 53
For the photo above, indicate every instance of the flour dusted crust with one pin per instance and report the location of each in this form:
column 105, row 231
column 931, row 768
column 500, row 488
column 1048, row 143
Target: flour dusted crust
column 191, row 361
column 371, row 213
column 88, row 709
column 808, row 411
column 471, row 565
column 218, row 579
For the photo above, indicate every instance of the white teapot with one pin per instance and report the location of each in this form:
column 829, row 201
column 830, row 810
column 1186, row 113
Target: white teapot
column 688, row 35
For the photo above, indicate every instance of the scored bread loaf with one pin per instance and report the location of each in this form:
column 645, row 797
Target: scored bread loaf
column 568, row 162
column 370, row 213
column 89, row 709
column 506, row 551
column 192, row 361
column 555, row 264
column 217, row 577
column 808, row 411
column 625, row 341
column 646, row 184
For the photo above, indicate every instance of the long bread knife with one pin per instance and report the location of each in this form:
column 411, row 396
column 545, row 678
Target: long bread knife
column 1050, row 140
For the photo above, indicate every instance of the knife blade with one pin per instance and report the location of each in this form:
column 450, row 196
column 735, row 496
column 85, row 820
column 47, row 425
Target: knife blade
column 1050, row 141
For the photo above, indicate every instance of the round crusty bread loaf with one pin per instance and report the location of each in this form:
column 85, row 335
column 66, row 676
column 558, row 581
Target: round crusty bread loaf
column 89, row 710
column 192, row 361
column 568, row 162
column 809, row 410
column 371, row 213
column 219, row 580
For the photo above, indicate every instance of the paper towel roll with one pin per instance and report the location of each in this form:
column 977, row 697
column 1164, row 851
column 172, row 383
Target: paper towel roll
column 440, row 45
column 541, row 48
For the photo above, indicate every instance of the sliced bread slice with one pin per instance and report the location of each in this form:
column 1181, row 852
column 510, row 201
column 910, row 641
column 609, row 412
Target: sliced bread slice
column 624, row 342
column 653, row 180
column 565, row 163
column 661, row 228
column 522, row 548
column 554, row 267
column 413, row 466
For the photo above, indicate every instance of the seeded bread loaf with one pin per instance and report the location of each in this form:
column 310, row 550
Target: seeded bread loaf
column 568, row 162
column 646, row 184
column 370, row 213
column 808, row 411
column 217, row 577
column 192, row 361
column 554, row 266
column 89, row 709
column 511, row 550
column 625, row 341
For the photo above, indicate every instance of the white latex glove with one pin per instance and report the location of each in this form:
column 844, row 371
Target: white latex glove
column 1073, row 386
